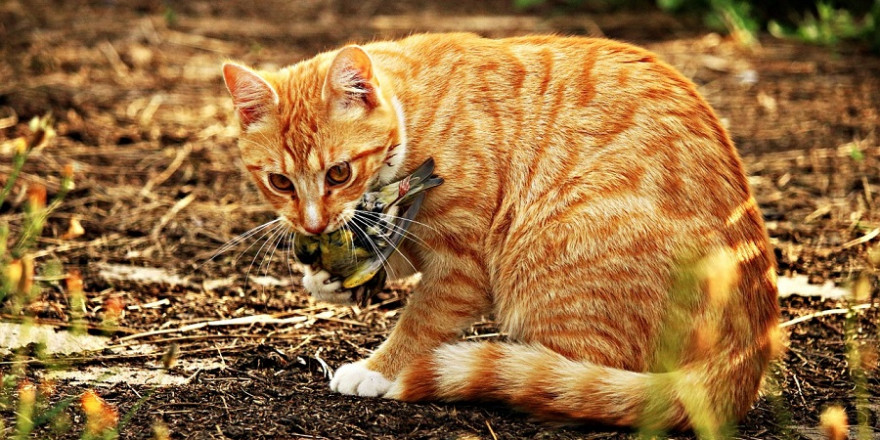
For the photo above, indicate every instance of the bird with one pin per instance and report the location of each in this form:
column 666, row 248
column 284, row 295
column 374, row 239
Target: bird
column 356, row 252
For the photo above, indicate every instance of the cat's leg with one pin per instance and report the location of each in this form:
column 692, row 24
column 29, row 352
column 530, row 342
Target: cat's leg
column 441, row 307
column 596, row 301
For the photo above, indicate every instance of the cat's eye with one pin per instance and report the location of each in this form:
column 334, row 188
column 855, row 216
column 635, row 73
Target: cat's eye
column 281, row 183
column 339, row 174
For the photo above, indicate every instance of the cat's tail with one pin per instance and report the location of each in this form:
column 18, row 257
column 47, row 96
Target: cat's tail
column 704, row 396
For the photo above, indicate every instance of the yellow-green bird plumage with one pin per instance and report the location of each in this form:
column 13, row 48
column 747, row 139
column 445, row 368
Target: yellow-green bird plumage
column 356, row 254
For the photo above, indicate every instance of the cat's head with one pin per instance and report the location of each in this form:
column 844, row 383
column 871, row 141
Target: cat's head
column 317, row 135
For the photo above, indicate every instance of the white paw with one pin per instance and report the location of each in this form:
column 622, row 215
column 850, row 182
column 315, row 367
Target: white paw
column 358, row 380
column 318, row 283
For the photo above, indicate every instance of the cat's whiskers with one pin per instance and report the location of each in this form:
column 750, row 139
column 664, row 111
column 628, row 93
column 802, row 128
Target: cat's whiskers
column 264, row 235
column 394, row 248
column 397, row 249
column 240, row 238
column 403, row 231
column 350, row 250
column 275, row 231
column 407, row 234
column 384, row 215
column 369, row 240
column 291, row 238
column 274, row 246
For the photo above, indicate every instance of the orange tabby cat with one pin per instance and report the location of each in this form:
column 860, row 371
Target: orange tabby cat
column 593, row 205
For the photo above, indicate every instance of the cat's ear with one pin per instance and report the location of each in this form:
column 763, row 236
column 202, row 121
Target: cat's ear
column 252, row 95
column 350, row 82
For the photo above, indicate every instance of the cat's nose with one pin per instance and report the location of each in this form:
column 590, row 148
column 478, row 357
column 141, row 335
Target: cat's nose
column 313, row 221
column 315, row 229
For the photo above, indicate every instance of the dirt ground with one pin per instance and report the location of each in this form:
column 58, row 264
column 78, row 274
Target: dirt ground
column 140, row 109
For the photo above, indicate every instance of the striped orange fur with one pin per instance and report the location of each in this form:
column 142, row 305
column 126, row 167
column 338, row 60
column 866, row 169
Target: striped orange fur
column 593, row 204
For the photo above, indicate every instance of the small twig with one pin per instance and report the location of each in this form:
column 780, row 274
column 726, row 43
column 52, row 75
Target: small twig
column 301, row 344
column 182, row 203
column 9, row 121
column 114, row 59
column 278, row 337
column 491, row 431
column 486, row 335
column 865, row 238
column 819, row 212
column 800, row 391
column 342, row 321
column 96, row 243
column 226, row 408
column 244, row 320
column 257, row 319
column 160, row 178
column 183, row 329
column 222, row 359
column 136, row 393
column 804, row 318
column 150, row 305
column 150, row 109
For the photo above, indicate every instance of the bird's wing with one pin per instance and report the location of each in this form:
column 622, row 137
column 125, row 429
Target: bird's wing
column 422, row 179
column 370, row 267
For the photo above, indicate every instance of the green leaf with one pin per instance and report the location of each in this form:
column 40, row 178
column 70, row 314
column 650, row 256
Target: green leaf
column 855, row 153
column 670, row 5
column 525, row 4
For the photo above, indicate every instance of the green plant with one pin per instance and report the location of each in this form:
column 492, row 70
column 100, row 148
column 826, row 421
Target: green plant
column 16, row 264
column 17, row 274
column 737, row 17
column 830, row 25
column 18, row 283
column 19, row 286
column 734, row 16
column 170, row 15
column 826, row 22
column 523, row 4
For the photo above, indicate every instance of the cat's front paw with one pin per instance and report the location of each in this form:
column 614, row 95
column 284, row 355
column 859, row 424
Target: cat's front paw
column 358, row 380
column 323, row 287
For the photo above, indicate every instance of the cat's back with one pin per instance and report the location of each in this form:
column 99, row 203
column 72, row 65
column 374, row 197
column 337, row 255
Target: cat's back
column 592, row 90
column 567, row 115
column 434, row 49
column 570, row 61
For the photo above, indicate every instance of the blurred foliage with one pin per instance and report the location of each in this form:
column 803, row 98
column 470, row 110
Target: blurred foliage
column 21, row 280
column 829, row 24
column 825, row 22
column 735, row 16
column 584, row 5
column 16, row 262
